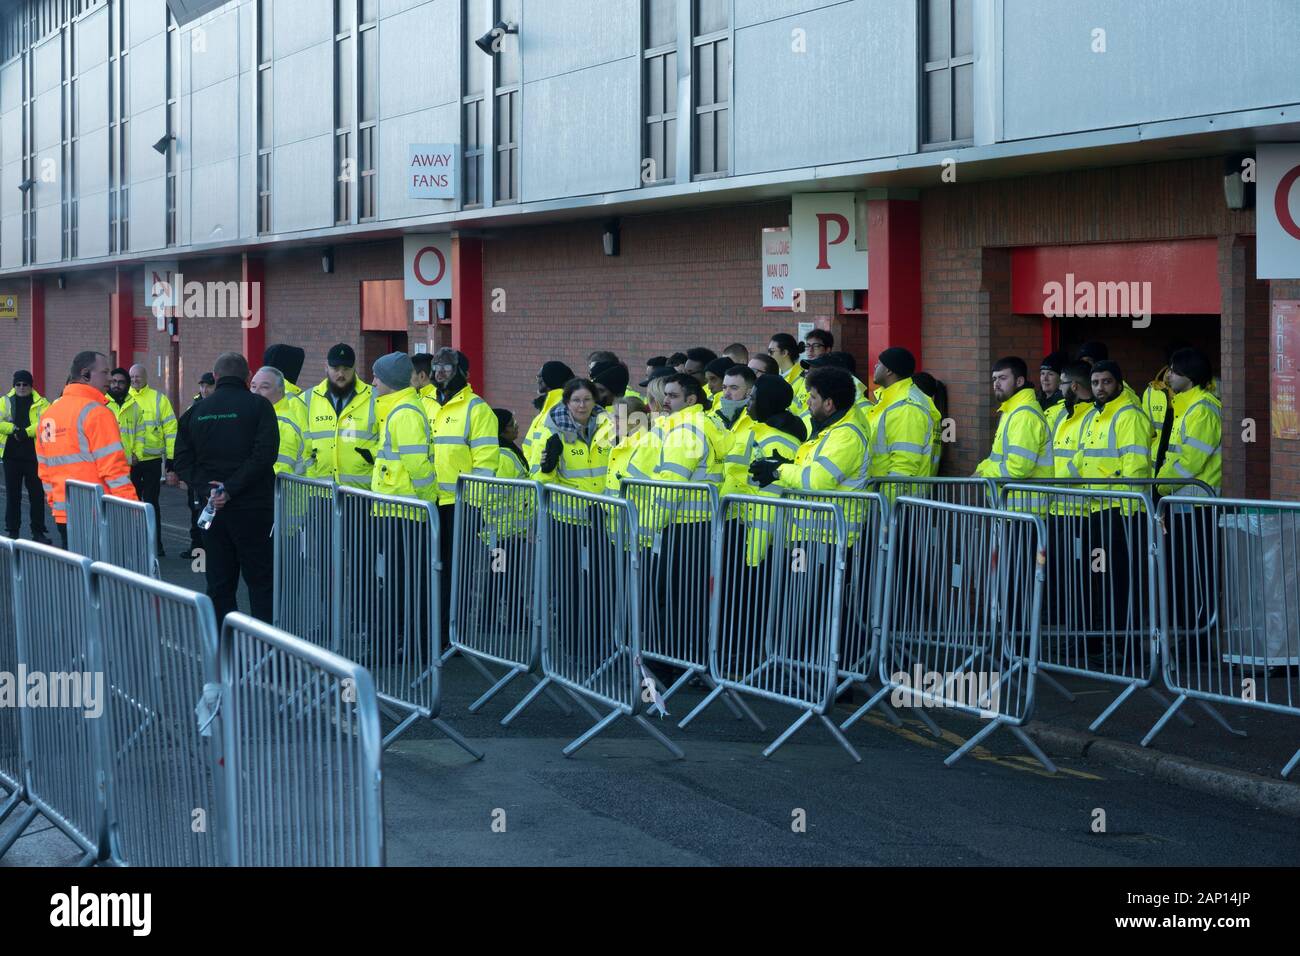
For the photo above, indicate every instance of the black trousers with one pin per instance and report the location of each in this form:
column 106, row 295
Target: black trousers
column 240, row 542
column 197, row 505
column 446, row 547
column 146, row 477
column 19, row 473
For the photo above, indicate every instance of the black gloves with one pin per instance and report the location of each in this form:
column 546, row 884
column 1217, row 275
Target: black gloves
column 763, row 470
column 551, row 456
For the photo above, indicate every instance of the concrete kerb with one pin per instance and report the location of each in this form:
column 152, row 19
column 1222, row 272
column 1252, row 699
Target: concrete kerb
column 1278, row 796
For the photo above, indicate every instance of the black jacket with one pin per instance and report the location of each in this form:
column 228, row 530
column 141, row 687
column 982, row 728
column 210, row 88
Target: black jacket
column 232, row 437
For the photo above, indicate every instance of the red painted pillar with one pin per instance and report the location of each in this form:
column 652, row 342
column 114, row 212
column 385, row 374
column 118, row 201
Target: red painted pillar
column 121, row 320
column 467, row 304
column 894, row 273
column 38, row 333
column 252, row 292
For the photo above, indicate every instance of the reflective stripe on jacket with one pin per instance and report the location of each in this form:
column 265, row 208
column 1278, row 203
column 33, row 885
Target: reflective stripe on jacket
column 902, row 426
column 402, row 463
column 128, row 425
column 7, row 423
column 77, row 439
column 464, row 437
column 334, row 441
column 1116, row 443
column 537, row 428
column 1022, row 446
column 1195, row 443
column 156, row 437
column 837, row 458
column 291, row 419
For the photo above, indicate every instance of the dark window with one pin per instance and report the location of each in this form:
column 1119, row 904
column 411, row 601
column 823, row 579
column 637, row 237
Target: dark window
column 660, row 107
column 506, row 105
column 474, row 84
column 948, row 87
column 711, row 71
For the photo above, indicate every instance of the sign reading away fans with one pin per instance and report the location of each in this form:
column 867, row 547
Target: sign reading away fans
column 431, row 171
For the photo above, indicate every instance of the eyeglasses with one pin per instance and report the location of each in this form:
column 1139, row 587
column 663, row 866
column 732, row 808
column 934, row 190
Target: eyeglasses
column 442, row 368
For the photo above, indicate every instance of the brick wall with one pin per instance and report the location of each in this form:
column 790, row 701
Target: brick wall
column 76, row 319
column 16, row 334
column 680, row 280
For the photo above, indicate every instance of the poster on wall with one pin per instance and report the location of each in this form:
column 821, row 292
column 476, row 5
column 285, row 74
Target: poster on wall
column 778, row 290
column 1277, row 211
column 1284, row 347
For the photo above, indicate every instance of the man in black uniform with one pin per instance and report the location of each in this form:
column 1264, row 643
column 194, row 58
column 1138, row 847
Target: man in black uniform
column 194, row 497
column 230, row 439
column 19, row 412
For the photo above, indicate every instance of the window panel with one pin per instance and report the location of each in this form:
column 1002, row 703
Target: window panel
column 661, row 23
column 704, row 147
column 963, row 28
column 704, row 74
column 655, row 87
column 963, row 82
column 670, row 150
column 369, row 74
column 369, row 11
column 937, row 41
column 265, row 131
column 670, row 82
column 722, row 135
column 722, row 74
column 344, row 84
column 711, row 16
column 345, row 13
column 938, row 119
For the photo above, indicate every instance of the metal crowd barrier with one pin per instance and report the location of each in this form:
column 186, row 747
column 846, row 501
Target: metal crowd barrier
column 85, row 518
column 304, row 545
column 971, row 492
column 674, row 523
column 867, row 545
column 589, row 587
column 129, row 535
column 1230, row 605
column 387, row 613
column 301, row 739
column 11, row 760
column 493, row 584
column 160, row 661
column 776, row 608
column 964, row 590
column 63, row 741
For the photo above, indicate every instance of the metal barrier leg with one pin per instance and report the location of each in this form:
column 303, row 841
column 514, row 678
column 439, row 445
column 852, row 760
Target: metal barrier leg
column 399, row 729
column 495, row 689
column 593, row 731
column 1291, row 765
column 1164, row 719
column 528, row 699
column 1056, row 685
column 701, row 706
column 23, row 823
column 1033, row 748
column 10, row 805
column 658, row 735
column 1114, row 706
column 558, row 700
column 971, row 744
column 679, row 683
column 1220, row 719
column 861, row 711
column 890, row 716
column 839, row 736
column 1163, row 701
column 454, row 736
column 924, row 718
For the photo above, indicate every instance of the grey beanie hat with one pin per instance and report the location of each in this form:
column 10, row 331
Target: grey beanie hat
column 394, row 370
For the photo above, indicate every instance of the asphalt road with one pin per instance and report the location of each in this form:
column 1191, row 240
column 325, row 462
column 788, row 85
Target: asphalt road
column 623, row 800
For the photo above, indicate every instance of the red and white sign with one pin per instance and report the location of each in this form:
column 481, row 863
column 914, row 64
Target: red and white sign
column 160, row 282
column 778, row 289
column 1277, row 211
column 823, row 246
column 428, row 267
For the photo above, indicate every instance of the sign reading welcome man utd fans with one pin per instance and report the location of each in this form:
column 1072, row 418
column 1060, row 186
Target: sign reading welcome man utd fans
column 431, row 171
column 428, row 267
column 1277, row 211
column 823, row 239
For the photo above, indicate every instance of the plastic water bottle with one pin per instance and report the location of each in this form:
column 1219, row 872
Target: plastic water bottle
column 210, row 512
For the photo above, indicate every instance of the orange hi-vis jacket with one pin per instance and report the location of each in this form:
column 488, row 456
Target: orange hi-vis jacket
column 77, row 438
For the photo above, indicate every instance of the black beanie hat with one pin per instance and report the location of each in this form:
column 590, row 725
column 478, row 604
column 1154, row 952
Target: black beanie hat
column 1054, row 361
column 613, row 375
column 771, row 394
column 719, row 366
column 1193, row 364
column 556, row 374
column 899, row 361
column 504, row 415
column 1096, row 351
column 287, row 358
column 23, row 377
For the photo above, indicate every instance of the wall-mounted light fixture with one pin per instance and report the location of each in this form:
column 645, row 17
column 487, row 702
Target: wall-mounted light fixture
column 162, row 144
column 327, row 259
column 609, row 239
column 490, row 42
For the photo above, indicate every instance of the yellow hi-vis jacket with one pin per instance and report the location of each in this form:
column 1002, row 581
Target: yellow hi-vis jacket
column 510, row 465
column 1195, row 443
column 1022, row 446
column 464, row 441
column 902, row 427
column 297, row 394
column 836, row 458
column 156, row 433
column 621, row 455
column 583, row 461
column 761, row 441
column 1155, row 402
column 291, row 418
column 403, row 465
column 1116, row 443
column 429, row 398
column 537, row 430
column 1066, row 438
column 8, row 426
column 688, row 445
column 799, row 404
column 128, row 423
column 334, row 442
